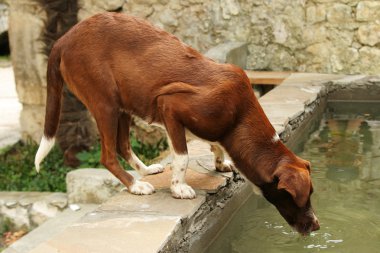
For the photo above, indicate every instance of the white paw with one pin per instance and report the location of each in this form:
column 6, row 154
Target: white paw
column 141, row 188
column 154, row 169
column 225, row 166
column 182, row 191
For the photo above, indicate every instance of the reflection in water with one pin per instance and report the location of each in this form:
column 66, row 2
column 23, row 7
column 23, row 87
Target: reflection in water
column 345, row 154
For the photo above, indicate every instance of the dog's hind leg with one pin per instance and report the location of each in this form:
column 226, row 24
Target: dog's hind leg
column 107, row 121
column 125, row 150
column 221, row 164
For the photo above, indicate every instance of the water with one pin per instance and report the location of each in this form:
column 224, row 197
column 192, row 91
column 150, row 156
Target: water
column 345, row 156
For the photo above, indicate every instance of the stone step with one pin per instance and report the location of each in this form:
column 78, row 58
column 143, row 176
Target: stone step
column 131, row 223
column 125, row 223
column 93, row 185
column 49, row 229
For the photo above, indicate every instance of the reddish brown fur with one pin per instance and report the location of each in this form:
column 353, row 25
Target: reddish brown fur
column 119, row 65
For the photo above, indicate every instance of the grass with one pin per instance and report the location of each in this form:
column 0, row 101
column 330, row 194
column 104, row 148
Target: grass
column 17, row 171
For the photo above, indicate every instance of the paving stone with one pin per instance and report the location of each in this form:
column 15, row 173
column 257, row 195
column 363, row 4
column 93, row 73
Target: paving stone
column 161, row 203
column 112, row 232
column 48, row 229
column 281, row 113
column 290, row 95
column 308, row 79
column 349, row 79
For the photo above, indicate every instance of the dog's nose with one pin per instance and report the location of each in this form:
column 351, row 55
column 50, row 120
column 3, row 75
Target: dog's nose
column 315, row 225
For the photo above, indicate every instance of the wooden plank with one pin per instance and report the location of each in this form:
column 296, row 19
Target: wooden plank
column 267, row 77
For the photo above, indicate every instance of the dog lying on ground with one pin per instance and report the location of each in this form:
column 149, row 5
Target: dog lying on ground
column 119, row 66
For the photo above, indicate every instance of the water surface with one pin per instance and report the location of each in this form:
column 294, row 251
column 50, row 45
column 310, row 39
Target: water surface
column 345, row 156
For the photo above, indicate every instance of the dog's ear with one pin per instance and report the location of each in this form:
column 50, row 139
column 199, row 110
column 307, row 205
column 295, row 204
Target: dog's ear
column 296, row 181
column 306, row 163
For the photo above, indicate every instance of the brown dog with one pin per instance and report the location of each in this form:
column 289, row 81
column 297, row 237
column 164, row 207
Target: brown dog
column 120, row 66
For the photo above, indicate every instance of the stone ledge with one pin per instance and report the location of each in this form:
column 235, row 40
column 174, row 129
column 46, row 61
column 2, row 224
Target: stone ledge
column 156, row 204
column 30, row 209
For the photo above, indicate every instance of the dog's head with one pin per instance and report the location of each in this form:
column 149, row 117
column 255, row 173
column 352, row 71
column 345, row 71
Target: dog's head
column 290, row 193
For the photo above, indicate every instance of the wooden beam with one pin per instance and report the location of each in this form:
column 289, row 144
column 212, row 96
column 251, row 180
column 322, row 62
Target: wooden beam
column 267, row 77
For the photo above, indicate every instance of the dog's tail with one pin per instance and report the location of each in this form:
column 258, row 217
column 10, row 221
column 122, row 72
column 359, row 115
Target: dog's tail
column 53, row 106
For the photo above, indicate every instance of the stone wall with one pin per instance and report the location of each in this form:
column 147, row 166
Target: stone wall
column 325, row 36
column 27, row 210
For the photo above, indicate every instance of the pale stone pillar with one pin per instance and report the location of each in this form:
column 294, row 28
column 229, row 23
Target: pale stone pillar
column 26, row 21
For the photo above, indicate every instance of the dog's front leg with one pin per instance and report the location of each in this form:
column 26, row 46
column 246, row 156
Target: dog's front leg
column 221, row 164
column 178, row 147
column 179, row 165
column 179, row 187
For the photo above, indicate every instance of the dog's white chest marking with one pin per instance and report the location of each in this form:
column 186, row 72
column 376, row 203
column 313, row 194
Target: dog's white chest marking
column 275, row 138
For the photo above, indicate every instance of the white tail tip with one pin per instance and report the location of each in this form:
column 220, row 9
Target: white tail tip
column 45, row 146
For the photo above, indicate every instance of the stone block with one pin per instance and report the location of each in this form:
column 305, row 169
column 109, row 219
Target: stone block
column 368, row 11
column 315, row 14
column 42, row 211
column 339, row 13
column 146, row 133
column 91, row 185
column 229, row 8
column 259, row 59
column 369, row 57
column 320, row 57
column 16, row 215
column 315, row 34
column 168, row 18
column 369, row 34
column 229, row 52
column 30, row 209
column 87, row 8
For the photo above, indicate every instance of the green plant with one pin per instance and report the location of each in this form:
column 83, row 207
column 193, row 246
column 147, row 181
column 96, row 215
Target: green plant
column 17, row 172
column 5, row 225
column 146, row 152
